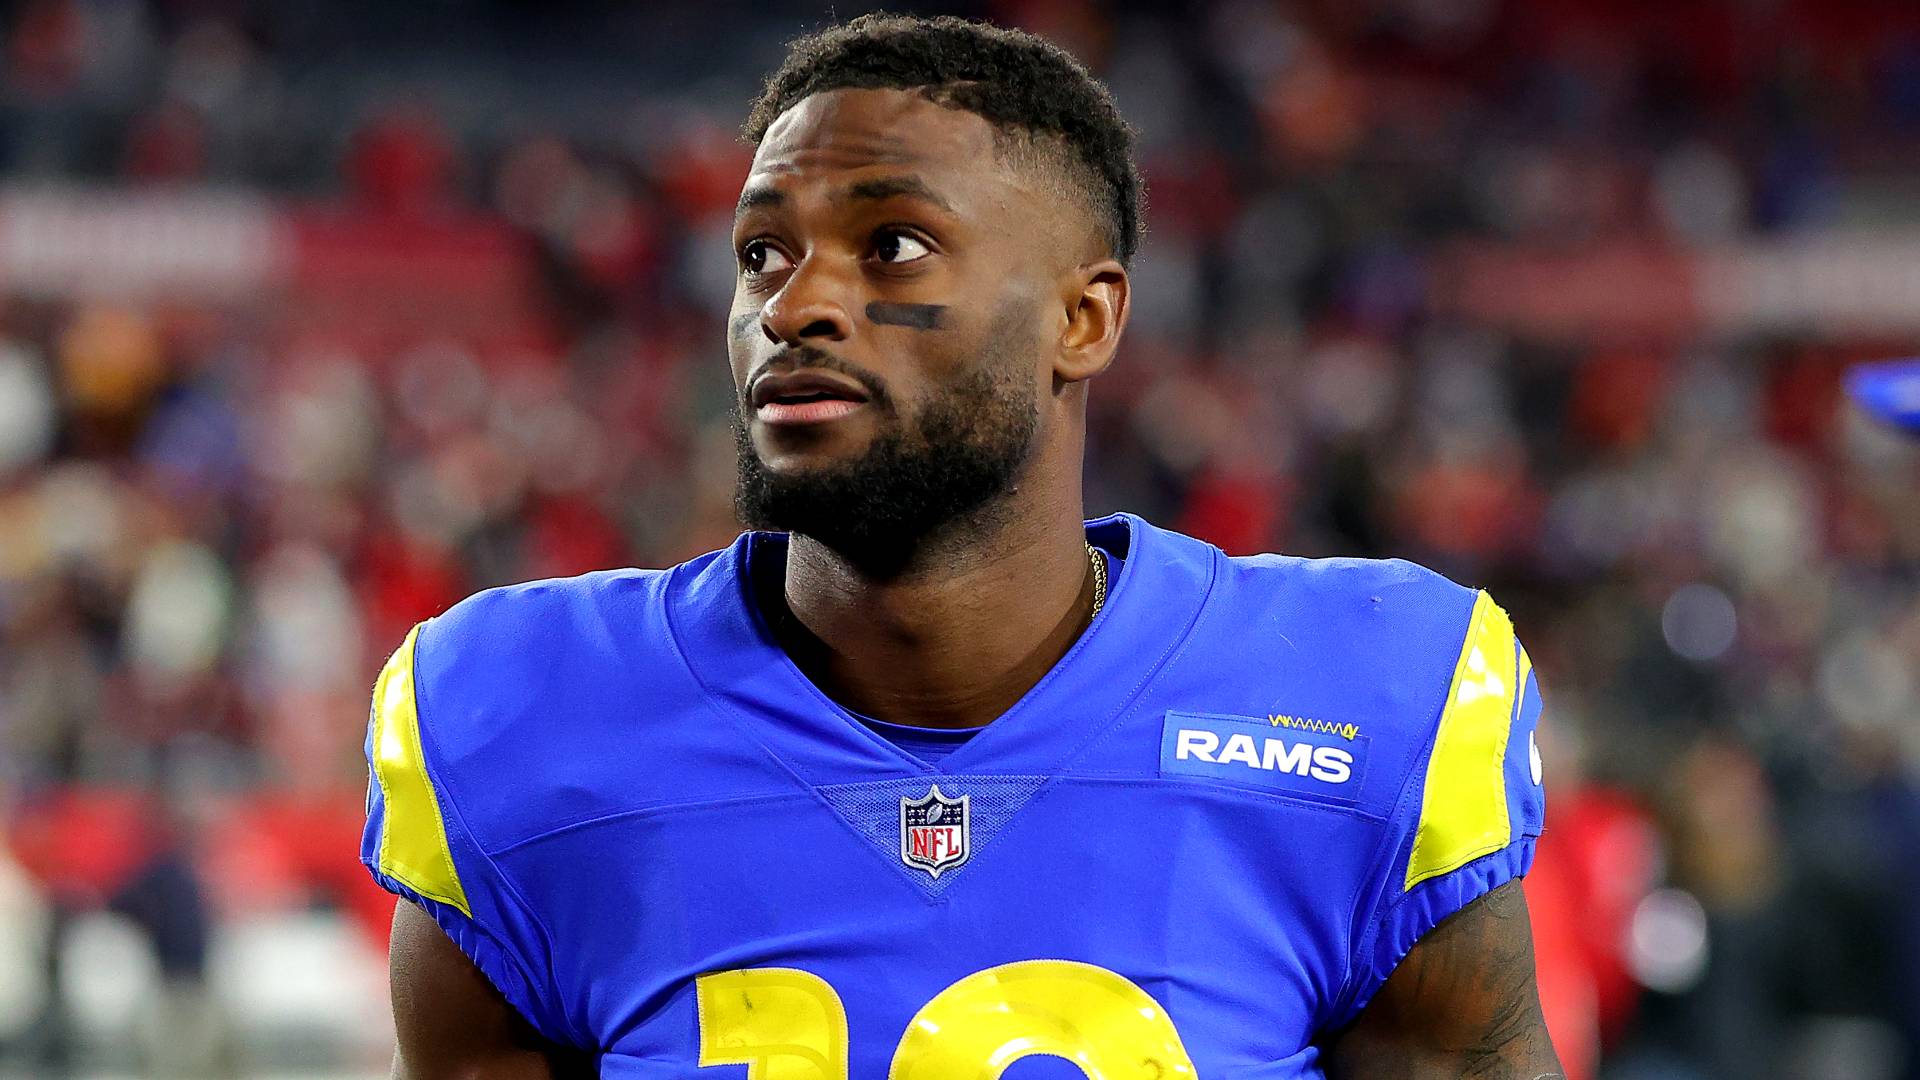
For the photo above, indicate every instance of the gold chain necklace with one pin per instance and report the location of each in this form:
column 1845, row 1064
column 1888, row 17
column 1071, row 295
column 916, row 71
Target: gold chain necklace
column 1099, row 563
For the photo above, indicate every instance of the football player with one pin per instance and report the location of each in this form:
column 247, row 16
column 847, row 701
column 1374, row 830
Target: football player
column 927, row 777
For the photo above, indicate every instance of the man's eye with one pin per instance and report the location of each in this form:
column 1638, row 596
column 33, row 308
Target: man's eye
column 760, row 257
column 899, row 247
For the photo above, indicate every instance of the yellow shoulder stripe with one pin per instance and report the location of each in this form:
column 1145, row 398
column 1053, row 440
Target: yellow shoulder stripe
column 413, row 838
column 1463, row 812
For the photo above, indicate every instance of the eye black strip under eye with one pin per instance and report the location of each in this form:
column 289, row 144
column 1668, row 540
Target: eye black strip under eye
column 912, row 316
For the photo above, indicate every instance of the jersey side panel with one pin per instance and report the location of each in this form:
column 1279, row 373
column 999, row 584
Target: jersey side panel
column 1474, row 805
column 417, row 845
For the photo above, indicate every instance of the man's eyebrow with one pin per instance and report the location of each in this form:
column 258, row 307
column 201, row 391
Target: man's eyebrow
column 895, row 187
column 879, row 190
column 755, row 197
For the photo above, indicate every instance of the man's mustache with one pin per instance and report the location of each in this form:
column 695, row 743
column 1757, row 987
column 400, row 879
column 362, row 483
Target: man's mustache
column 807, row 357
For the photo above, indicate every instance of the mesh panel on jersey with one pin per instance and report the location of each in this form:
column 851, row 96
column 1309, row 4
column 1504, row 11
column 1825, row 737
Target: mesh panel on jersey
column 873, row 809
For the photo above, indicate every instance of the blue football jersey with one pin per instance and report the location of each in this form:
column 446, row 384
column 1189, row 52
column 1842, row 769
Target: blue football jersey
column 1195, row 848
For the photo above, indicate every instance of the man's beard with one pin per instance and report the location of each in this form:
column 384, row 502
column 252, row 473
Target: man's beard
column 949, row 463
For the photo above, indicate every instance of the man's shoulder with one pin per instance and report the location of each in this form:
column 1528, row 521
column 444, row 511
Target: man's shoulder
column 517, row 635
column 534, row 617
column 1358, row 595
column 1389, row 610
column 1326, row 637
column 1426, row 699
column 1381, row 580
column 1362, row 651
column 552, row 686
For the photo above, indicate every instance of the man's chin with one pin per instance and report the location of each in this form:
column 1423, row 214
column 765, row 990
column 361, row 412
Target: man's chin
column 821, row 457
column 873, row 491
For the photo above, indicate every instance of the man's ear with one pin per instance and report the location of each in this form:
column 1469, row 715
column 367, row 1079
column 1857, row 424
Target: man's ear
column 1096, row 309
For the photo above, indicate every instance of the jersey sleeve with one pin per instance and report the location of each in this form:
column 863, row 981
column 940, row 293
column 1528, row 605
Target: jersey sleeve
column 1473, row 806
column 417, row 845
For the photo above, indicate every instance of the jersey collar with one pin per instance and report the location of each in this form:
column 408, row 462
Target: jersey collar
column 1150, row 610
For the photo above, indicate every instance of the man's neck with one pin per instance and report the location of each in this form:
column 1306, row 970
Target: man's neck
column 953, row 641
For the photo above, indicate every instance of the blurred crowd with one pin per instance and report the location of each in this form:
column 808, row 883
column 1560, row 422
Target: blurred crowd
column 217, row 515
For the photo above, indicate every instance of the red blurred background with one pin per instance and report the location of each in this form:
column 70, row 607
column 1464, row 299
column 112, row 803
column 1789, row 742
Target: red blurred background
column 315, row 318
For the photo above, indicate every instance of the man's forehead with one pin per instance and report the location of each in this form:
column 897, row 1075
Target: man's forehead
column 850, row 129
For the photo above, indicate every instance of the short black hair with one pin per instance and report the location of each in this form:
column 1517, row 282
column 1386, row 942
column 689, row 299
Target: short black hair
column 1020, row 83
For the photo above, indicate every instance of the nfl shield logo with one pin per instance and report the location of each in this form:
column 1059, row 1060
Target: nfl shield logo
column 935, row 835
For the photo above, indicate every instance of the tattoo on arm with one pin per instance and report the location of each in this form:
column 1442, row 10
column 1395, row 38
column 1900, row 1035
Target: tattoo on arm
column 1462, row 1004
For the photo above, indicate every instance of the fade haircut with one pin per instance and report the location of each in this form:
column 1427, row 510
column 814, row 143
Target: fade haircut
column 1036, row 96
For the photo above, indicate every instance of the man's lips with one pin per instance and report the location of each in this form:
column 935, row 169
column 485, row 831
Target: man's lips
column 807, row 396
column 806, row 412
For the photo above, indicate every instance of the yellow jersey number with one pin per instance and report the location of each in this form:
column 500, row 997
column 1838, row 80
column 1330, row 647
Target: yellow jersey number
column 786, row 1024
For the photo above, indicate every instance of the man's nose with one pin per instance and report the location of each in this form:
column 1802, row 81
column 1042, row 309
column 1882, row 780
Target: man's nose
column 811, row 306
